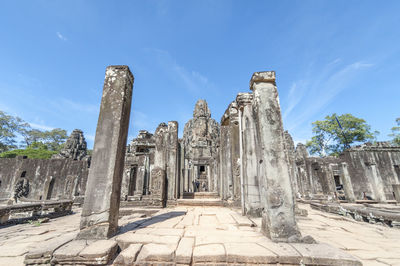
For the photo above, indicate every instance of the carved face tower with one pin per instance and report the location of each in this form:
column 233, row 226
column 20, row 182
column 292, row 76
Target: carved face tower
column 200, row 140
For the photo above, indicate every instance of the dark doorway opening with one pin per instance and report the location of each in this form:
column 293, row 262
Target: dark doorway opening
column 337, row 181
column 397, row 170
column 202, row 168
column 132, row 181
column 50, row 190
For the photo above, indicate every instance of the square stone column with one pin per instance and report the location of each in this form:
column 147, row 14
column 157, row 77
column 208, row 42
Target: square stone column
column 249, row 161
column 278, row 218
column 99, row 218
column 172, row 160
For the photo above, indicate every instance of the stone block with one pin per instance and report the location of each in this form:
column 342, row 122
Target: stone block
column 212, row 253
column 156, row 253
column 324, row 254
column 130, row 238
column 128, row 255
column 285, row 252
column 99, row 252
column 69, row 250
column 42, row 252
column 242, row 220
column 249, row 253
column 184, row 251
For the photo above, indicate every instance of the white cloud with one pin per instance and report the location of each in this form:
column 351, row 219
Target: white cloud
column 319, row 91
column 42, row 127
column 194, row 81
column 60, row 36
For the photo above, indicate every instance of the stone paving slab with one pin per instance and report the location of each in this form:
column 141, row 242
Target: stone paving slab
column 128, row 256
column 198, row 237
column 324, row 254
column 184, row 251
column 156, row 253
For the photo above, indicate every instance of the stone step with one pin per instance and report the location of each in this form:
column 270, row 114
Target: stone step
column 200, row 202
column 200, row 195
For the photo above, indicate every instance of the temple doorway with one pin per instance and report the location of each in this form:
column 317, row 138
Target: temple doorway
column 132, row 181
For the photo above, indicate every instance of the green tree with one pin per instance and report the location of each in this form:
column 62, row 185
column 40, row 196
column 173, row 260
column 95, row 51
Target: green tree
column 36, row 151
column 13, row 128
column 330, row 139
column 54, row 139
column 396, row 133
column 10, row 127
column 31, row 136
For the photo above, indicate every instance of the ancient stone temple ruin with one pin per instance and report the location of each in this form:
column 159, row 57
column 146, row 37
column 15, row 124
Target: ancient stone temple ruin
column 199, row 152
column 247, row 163
column 62, row 177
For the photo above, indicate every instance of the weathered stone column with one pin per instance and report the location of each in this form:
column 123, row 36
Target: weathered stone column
column 249, row 162
column 278, row 220
column 347, row 185
column 99, row 217
column 172, row 159
column 225, row 161
column 235, row 147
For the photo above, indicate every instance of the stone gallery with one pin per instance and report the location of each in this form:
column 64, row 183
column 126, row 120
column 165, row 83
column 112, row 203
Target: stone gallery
column 240, row 180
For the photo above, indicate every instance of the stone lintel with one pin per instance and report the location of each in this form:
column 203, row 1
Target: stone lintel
column 264, row 76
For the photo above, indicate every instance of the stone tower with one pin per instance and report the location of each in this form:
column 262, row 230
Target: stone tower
column 75, row 147
column 200, row 142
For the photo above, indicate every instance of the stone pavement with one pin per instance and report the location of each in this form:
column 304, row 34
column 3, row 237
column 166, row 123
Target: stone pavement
column 372, row 244
column 203, row 235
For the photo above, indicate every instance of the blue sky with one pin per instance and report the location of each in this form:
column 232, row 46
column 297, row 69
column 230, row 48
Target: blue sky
column 329, row 56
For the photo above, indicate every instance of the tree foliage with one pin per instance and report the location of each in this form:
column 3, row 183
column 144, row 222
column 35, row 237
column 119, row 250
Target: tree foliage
column 330, row 139
column 38, row 143
column 53, row 139
column 396, row 133
column 10, row 126
column 32, row 153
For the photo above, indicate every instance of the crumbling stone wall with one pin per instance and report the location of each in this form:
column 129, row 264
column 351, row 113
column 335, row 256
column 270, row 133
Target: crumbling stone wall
column 363, row 172
column 373, row 169
column 48, row 179
column 62, row 177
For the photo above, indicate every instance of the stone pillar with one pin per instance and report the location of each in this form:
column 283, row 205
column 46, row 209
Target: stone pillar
column 347, row 186
column 100, row 211
column 235, row 150
column 172, row 159
column 226, row 163
column 278, row 218
column 377, row 182
column 182, row 169
column 249, row 162
column 140, row 176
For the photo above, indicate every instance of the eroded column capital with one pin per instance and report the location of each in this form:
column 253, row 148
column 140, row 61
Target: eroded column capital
column 264, row 76
column 243, row 99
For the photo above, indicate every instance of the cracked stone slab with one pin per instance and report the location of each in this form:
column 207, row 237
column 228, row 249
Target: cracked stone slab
column 212, row 253
column 285, row 252
column 99, row 252
column 324, row 254
column 184, row 251
column 249, row 253
column 156, row 253
column 126, row 239
column 68, row 251
column 42, row 252
column 128, row 256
